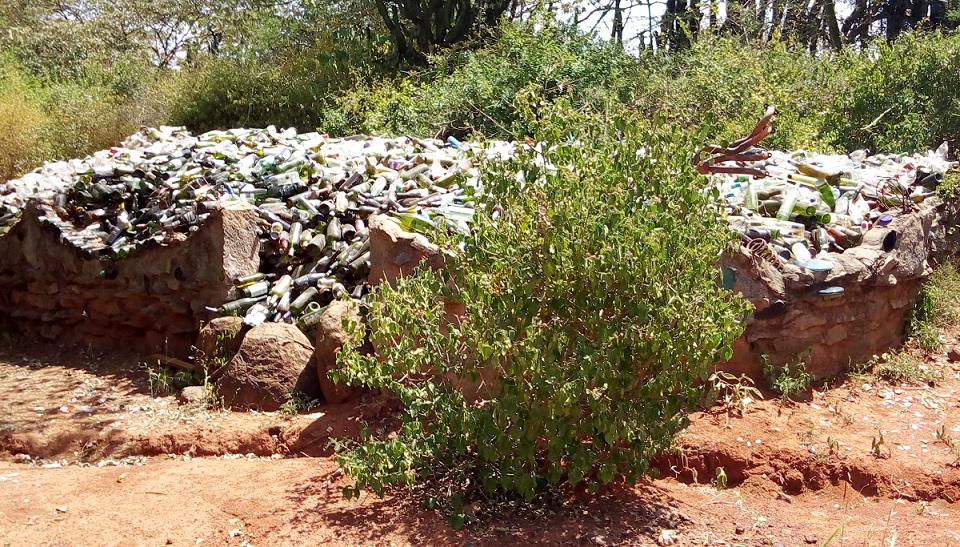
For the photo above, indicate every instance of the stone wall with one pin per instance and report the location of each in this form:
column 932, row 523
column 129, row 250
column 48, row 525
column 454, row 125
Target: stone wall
column 154, row 300
column 793, row 320
column 151, row 301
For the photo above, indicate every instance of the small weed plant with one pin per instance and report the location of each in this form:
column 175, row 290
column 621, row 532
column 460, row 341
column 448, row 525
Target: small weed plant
column 159, row 382
column 947, row 440
column 937, row 309
column 296, row 403
column 732, row 392
column 877, row 445
column 787, row 380
column 166, row 380
column 720, row 479
column 845, row 418
column 833, row 446
column 592, row 315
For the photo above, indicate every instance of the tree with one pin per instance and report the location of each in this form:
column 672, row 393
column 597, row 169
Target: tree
column 57, row 36
column 420, row 27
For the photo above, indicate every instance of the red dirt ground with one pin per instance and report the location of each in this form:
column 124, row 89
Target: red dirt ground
column 91, row 458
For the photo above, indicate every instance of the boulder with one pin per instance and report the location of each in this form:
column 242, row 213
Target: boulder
column 220, row 338
column 395, row 252
column 274, row 360
column 330, row 338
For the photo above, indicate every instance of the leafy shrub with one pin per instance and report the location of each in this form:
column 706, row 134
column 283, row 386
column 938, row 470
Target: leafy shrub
column 901, row 97
column 274, row 82
column 591, row 314
column 937, row 309
column 469, row 91
column 84, row 119
column 20, row 123
column 44, row 119
column 721, row 85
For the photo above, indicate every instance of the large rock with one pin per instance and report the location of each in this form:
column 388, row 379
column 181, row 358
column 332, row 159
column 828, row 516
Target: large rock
column 220, row 339
column 275, row 359
column 395, row 252
column 330, row 338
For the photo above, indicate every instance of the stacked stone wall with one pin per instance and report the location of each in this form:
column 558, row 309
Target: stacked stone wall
column 151, row 301
column 155, row 300
column 796, row 319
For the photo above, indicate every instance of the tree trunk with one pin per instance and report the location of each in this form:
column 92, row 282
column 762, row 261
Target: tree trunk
column 617, row 32
column 833, row 27
column 896, row 14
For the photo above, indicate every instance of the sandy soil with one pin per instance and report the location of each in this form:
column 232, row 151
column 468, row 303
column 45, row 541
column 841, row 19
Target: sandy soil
column 90, row 457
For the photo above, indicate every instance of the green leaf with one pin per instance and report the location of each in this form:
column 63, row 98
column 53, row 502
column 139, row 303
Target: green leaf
column 456, row 520
column 607, row 472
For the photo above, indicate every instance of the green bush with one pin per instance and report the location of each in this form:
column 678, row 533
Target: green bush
column 938, row 308
column 277, row 82
column 469, row 91
column 721, row 86
column 901, row 97
column 592, row 302
column 45, row 119
column 20, row 122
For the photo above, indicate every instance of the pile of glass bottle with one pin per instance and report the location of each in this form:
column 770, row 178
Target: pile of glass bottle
column 812, row 205
column 313, row 196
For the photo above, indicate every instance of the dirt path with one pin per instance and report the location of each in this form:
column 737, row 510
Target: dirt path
column 284, row 502
column 263, row 478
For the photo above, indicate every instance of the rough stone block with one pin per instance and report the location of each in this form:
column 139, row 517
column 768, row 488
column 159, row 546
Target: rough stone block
column 330, row 338
column 835, row 334
column 275, row 359
column 39, row 301
column 103, row 306
column 395, row 252
column 40, row 287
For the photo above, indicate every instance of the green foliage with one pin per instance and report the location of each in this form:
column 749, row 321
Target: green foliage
column 296, row 403
column 591, row 316
column 949, row 190
column 285, row 77
column 937, row 309
column 787, row 380
column 877, row 445
column 721, row 85
column 904, row 368
column 20, row 122
column 901, row 97
column 79, row 88
column 466, row 91
column 42, row 119
column 164, row 381
column 720, row 480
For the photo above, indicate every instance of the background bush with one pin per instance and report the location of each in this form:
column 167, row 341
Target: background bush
column 721, row 85
column 909, row 88
column 477, row 91
column 337, row 79
column 45, row 119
